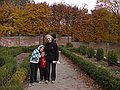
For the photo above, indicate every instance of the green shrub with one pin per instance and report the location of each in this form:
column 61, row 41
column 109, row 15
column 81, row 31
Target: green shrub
column 82, row 50
column 61, row 45
column 2, row 61
column 8, row 59
column 99, row 74
column 69, row 45
column 112, row 58
column 99, row 54
column 20, row 75
column 6, row 72
column 18, row 78
column 12, row 51
column 72, row 49
column 27, row 49
column 90, row 52
column 13, row 84
column 8, row 69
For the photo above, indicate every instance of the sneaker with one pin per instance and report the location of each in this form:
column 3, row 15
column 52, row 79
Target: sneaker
column 31, row 84
column 36, row 81
column 46, row 81
column 40, row 82
column 52, row 82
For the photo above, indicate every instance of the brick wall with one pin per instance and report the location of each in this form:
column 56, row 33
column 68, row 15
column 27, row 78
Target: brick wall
column 19, row 41
column 28, row 41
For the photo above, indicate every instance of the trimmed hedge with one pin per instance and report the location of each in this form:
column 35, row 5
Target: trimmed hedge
column 26, row 49
column 69, row 45
column 90, row 52
column 17, row 80
column 82, row 50
column 112, row 58
column 8, row 69
column 2, row 61
column 99, row 54
column 99, row 74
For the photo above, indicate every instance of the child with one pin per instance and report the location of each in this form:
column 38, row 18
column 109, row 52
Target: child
column 34, row 64
column 42, row 67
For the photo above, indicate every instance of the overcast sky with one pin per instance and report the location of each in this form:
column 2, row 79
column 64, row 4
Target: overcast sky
column 79, row 3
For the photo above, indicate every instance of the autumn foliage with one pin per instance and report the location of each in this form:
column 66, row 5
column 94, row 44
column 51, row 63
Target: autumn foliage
column 34, row 19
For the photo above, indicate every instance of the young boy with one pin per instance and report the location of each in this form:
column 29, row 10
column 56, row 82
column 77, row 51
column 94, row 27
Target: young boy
column 42, row 67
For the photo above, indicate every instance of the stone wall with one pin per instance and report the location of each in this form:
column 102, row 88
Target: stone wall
column 63, row 40
column 28, row 41
column 19, row 41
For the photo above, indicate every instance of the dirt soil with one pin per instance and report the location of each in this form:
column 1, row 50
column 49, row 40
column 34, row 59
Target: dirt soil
column 21, row 57
column 69, row 77
column 99, row 63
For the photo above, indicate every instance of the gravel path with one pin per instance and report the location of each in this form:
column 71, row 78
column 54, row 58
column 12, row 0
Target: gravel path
column 21, row 57
column 69, row 77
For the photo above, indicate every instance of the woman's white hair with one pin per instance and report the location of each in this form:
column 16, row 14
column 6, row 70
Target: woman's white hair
column 48, row 36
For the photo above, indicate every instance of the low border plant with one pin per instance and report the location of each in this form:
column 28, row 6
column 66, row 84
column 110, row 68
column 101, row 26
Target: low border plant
column 101, row 75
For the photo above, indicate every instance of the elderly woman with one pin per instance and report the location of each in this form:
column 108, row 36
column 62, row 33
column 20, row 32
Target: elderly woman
column 51, row 51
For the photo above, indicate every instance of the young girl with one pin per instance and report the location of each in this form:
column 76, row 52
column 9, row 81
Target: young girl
column 42, row 67
column 34, row 64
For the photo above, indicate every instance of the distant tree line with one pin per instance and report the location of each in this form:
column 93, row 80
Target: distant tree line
column 26, row 19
